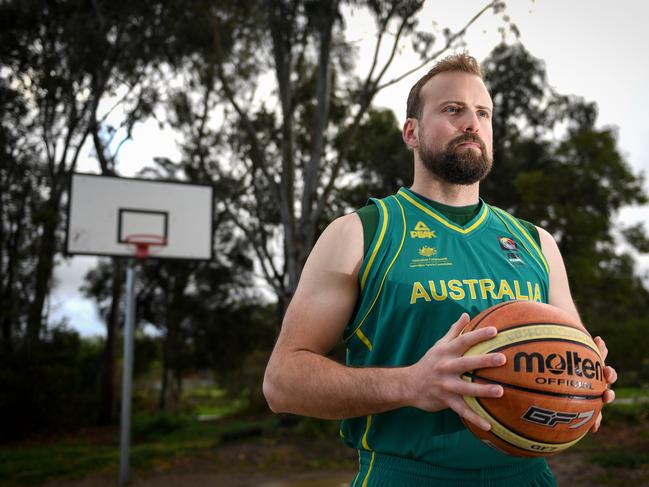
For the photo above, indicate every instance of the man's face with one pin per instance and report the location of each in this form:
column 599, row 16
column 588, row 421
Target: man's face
column 455, row 139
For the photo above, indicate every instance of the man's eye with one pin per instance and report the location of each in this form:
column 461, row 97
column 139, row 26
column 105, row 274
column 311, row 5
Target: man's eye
column 483, row 113
column 452, row 109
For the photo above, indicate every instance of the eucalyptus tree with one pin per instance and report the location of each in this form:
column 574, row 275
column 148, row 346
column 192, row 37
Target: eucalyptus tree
column 555, row 167
column 552, row 166
column 21, row 194
column 66, row 57
column 283, row 108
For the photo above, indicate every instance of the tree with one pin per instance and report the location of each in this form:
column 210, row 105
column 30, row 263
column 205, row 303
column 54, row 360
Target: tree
column 573, row 186
column 21, row 181
column 67, row 56
column 288, row 150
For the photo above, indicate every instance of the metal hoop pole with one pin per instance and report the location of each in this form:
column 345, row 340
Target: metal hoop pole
column 127, row 375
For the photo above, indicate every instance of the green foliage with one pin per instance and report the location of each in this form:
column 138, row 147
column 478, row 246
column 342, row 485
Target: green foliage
column 634, row 412
column 318, row 428
column 53, row 386
column 620, row 458
column 147, row 427
column 245, row 381
column 553, row 167
column 161, row 438
column 378, row 160
column 211, row 401
column 34, row 466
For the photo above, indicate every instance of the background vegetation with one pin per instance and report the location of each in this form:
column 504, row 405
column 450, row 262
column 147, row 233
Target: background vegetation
column 283, row 164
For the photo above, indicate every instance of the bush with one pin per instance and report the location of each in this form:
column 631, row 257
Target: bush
column 52, row 386
column 157, row 425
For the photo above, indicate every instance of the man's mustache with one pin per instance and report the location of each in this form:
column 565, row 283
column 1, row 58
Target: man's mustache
column 469, row 137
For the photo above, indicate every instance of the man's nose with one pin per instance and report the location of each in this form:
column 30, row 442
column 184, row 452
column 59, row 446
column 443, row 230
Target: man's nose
column 470, row 122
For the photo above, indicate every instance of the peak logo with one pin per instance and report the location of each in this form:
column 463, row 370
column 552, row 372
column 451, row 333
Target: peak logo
column 422, row 231
column 570, row 363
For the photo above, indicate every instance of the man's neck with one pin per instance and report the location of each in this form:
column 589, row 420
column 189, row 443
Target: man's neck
column 446, row 193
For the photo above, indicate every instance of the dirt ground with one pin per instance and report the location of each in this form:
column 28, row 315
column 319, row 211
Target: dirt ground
column 302, row 462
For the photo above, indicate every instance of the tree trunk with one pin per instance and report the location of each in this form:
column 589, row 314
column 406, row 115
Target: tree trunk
column 108, row 393
column 44, row 268
column 171, row 380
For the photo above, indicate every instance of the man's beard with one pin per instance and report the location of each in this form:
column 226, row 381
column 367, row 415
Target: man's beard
column 457, row 166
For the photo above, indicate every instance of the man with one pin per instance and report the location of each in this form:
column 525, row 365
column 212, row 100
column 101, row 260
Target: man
column 393, row 279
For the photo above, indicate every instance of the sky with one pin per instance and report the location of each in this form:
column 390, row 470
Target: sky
column 592, row 48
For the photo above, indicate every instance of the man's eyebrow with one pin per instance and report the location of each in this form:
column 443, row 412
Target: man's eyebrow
column 455, row 102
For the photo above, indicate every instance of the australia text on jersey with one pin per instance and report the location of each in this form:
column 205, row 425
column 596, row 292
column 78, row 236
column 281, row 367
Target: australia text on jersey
column 457, row 290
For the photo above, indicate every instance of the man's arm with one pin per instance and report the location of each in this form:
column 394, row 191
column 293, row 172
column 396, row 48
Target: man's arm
column 561, row 298
column 559, row 288
column 300, row 379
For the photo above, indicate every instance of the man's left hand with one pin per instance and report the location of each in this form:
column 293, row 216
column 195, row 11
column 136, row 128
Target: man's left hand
column 610, row 375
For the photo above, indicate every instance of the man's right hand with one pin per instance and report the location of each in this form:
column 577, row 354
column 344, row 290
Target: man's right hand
column 436, row 377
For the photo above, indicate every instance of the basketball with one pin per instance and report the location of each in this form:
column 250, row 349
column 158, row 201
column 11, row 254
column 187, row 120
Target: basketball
column 553, row 379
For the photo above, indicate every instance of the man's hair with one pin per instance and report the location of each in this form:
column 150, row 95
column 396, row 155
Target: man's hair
column 456, row 62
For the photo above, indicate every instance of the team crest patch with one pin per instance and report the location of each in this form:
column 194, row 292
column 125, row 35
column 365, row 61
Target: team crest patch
column 421, row 230
column 507, row 243
column 426, row 251
column 510, row 249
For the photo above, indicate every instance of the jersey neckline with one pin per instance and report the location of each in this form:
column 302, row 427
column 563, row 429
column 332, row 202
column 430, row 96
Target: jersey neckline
column 469, row 228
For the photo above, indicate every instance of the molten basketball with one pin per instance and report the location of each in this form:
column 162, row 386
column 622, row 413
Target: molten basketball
column 553, row 379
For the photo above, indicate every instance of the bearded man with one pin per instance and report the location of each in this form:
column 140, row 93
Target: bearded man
column 398, row 280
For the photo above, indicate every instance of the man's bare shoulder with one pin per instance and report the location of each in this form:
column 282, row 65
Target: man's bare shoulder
column 340, row 247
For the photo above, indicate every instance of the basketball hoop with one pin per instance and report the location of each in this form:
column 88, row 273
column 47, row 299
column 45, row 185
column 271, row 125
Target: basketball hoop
column 142, row 241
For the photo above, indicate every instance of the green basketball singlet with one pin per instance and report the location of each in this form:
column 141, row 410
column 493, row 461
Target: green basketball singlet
column 419, row 274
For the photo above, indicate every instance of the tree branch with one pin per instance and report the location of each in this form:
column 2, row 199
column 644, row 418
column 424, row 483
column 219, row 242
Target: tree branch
column 449, row 43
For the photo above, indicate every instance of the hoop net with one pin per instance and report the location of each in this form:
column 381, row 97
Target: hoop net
column 144, row 243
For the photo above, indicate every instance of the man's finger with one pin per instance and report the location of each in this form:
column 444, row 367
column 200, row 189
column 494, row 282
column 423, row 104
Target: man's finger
column 610, row 374
column 465, row 341
column 465, row 388
column 461, row 408
column 608, row 397
column 601, row 344
column 598, row 421
column 456, row 327
column 473, row 362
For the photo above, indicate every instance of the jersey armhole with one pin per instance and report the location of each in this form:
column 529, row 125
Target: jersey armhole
column 532, row 230
column 369, row 216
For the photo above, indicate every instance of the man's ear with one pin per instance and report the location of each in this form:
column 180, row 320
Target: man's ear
column 409, row 133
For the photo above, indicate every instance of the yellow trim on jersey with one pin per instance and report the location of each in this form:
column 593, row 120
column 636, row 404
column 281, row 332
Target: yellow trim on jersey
column 378, row 243
column 403, row 238
column 527, row 236
column 368, row 423
column 368, row 471
column 363, row 338
column 443, row 221
column 533, row 332
column 359, row 469
column 510, row 437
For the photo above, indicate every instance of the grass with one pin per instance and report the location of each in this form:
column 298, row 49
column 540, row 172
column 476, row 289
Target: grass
column 178, row 437
column 632, row 413
column 631, row 392
column 620, row 458
column 155, row 437
column 32, row 466
column 160, row 438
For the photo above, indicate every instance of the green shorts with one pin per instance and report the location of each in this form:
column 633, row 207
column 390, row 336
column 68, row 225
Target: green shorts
column 380, row 470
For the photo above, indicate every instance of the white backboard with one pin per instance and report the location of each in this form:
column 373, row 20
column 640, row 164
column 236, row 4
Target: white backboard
column 103, row 211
